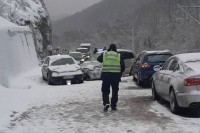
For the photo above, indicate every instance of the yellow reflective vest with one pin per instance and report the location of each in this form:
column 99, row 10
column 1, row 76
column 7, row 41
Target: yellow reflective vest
column 111, row 62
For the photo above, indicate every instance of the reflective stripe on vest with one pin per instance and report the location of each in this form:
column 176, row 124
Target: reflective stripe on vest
column 111, row 62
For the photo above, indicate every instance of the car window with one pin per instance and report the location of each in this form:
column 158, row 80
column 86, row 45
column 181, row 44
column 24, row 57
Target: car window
column 157, row 58
column 63, row 61
column 76, row 56
column 126, row 55
column 165, row 66
column 139, row 58
column 173, row 65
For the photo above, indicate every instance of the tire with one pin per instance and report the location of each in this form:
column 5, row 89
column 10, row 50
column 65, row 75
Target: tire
column 154, row 93
column 173, row 103
column 49, row 80
column 139, row 82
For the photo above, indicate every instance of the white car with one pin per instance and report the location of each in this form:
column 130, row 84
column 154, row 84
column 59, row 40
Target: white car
column 178, row 81
column 92, row 68
column 59, row 69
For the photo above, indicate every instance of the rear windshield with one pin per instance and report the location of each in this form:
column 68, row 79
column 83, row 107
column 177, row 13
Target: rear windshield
column 82, row 50
column 157, row 57
column 63, row 61
column 76, row 56
column 126, row 55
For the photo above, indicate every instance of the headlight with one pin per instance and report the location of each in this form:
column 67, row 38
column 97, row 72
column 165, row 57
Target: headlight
column 54, row 74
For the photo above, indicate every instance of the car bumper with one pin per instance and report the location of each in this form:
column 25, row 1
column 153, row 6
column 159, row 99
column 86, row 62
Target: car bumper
column 188, row 99
column 146, row 76
column 66, row 78
column 95, row 74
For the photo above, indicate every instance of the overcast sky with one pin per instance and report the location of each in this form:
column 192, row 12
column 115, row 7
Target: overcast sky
column 59, row 8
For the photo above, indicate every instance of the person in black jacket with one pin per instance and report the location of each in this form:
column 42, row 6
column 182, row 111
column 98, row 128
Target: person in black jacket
column 113, row 67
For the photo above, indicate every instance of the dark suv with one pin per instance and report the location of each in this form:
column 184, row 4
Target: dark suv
column 142, row 68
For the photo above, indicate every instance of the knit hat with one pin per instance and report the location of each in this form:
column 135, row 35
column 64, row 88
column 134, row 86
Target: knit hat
column 112, row 47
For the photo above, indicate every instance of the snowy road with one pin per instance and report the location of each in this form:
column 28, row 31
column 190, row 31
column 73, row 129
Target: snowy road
column 40, row 108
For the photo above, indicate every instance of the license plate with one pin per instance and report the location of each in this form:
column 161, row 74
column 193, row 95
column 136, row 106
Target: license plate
column 68, row 77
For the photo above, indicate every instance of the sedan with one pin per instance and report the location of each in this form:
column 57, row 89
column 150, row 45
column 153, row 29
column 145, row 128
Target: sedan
column 178, row 81
column 60, row 69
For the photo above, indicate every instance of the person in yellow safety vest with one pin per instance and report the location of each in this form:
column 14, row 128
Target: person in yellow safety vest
column 113, row 67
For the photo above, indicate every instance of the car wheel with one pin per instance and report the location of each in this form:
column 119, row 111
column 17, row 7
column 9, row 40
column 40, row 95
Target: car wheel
column 139, row 82
column 154, row 93
column 173, row 103
column 49, row 80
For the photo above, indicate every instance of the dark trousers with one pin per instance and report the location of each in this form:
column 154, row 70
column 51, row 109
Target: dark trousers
column 106, row 91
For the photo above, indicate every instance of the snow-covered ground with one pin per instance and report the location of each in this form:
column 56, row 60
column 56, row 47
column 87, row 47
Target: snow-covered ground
column 32, row 106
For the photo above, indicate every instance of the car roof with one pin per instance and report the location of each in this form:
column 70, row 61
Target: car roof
column 82, row 48
column 85, row 44
column 188, row 57
column 74, row 52
column 123, row 50
column 156, row 52
column 54, row 57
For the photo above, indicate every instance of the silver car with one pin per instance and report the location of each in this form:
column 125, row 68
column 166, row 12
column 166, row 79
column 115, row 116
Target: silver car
column 92, row 68
column 178, row 81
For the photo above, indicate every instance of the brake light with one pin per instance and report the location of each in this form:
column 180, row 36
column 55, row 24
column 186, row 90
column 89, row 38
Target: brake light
column 192, row 81
column 145, row 65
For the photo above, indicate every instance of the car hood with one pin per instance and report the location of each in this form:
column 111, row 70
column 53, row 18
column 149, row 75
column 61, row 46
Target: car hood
column 65, row 68
column 91, row 64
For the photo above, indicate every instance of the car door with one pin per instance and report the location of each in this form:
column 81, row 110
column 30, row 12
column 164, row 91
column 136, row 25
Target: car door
column 168, row 76
column 128, row 60
column 45, row 67
column 158, row 80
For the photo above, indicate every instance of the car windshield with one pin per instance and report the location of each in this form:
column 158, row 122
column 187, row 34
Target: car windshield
column 63, row 61
column 82, row 50
column 157, row 57
column 76, row 56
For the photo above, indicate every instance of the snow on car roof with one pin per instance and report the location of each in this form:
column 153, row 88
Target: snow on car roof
column 74, row 52
column 82, row 48
column 85, row 44
column 123, row 50
column 156, row 51
column 186, row 57
column 53, row 57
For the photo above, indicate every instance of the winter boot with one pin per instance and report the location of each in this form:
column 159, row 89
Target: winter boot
column 106, row 107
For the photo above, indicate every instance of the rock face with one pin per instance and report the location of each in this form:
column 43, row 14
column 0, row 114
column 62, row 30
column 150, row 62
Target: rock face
column 32, row 13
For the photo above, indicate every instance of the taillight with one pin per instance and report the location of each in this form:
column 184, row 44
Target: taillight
column 192, row 81
column 145, row 65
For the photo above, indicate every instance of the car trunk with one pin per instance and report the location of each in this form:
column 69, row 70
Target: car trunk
column 194, row 71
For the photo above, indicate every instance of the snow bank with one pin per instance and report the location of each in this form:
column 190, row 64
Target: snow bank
column 17, row 52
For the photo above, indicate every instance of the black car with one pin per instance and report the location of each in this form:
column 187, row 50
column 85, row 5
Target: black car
column 142, row 68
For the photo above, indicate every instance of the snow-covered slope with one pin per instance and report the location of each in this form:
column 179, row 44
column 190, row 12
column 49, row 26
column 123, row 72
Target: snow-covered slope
column 32, row 13
column 17, row 51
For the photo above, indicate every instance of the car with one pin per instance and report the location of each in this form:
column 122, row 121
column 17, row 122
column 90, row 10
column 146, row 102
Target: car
column 77, row 56
column 85, row 52
column 59, row 69
column 92, row 68
column 178, row 81
column 142, row 68
column 128, row 58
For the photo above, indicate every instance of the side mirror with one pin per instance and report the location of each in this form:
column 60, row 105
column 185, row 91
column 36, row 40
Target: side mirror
column 157, row 68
